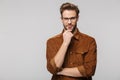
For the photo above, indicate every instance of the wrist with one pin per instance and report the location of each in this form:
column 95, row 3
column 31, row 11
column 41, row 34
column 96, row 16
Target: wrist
column 65, row 44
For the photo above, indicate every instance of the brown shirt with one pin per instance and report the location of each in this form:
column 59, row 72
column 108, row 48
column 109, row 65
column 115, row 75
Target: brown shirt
column 81, row 53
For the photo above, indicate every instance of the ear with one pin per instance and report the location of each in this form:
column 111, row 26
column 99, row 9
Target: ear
column 61, row 18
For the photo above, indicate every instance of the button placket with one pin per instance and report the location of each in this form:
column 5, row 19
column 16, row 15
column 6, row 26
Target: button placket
column 71, row 62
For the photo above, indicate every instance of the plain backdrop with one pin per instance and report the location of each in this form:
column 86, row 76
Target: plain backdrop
column 25, row 26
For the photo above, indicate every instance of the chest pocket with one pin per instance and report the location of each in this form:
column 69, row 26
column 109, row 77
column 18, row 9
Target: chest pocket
column 77, row 57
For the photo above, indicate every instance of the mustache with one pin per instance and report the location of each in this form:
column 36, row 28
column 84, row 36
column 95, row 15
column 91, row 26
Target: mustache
column 65, row 27
column 69, row 25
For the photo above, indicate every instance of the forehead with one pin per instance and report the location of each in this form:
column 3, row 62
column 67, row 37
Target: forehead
column 69, row 13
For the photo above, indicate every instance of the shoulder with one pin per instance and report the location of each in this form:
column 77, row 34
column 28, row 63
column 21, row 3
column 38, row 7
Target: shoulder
column 87, row 37
column 55, row 37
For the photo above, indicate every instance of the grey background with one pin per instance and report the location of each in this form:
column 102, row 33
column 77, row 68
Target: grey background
column 25, row 25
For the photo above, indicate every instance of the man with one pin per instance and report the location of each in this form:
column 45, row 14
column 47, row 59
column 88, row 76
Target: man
column 71, row 55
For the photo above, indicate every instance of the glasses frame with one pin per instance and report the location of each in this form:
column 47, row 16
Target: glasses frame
column 69, row 19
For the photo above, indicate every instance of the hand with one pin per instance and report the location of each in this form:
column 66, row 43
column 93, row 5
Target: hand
column 59, row 73
column 67, row 36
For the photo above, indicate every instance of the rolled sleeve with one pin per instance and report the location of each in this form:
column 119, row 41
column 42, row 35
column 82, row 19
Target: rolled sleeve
column 50, row 53
column 82, row 70
column 90, row 60
column 53, row 69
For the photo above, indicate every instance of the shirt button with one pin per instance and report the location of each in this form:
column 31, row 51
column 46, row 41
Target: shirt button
column 71, row 63
column 71, row 52
column 82, row 52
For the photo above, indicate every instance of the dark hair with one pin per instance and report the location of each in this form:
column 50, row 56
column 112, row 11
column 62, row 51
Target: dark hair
column 69, row 6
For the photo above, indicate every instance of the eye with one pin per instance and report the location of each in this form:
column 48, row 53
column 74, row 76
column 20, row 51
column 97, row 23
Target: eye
column 71, row 18
column 66, row 18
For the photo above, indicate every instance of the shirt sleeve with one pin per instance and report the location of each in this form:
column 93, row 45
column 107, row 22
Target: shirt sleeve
column 50, row 53
column 90, row 60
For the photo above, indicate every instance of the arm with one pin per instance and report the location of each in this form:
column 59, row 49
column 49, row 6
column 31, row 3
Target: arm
column 73, row 72
column 55, row 58
column 85, row 70
column 59, row 57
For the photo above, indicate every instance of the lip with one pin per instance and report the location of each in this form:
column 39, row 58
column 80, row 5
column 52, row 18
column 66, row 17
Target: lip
column 69, row 26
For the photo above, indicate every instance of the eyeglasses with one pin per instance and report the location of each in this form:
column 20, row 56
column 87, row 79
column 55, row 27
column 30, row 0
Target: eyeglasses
column 71, row 18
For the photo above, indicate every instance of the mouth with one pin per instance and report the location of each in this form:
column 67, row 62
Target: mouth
column 69, row 27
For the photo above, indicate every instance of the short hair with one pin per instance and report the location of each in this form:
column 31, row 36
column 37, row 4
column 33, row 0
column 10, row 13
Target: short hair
column 69, row 6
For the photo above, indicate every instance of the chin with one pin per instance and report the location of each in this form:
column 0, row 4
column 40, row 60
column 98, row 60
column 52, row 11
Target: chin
column 69, row 29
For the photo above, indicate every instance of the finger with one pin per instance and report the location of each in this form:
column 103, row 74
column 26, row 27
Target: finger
column 69, row 30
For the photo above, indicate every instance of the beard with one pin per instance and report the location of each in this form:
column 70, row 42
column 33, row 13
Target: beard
column 72, row 29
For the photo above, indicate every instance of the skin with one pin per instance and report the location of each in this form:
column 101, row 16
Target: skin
column 69, row 24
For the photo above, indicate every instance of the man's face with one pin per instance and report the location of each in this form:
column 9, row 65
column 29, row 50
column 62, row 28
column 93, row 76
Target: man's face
column 69, row 19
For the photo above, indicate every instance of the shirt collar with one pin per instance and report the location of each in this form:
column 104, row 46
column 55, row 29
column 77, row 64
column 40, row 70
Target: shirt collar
column 76, row 34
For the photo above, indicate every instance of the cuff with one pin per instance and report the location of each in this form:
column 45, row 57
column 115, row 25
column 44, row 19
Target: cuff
column 82, row 70
column 56, row 69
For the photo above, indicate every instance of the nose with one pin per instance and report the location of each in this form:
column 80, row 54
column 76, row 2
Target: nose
column 69, row 21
